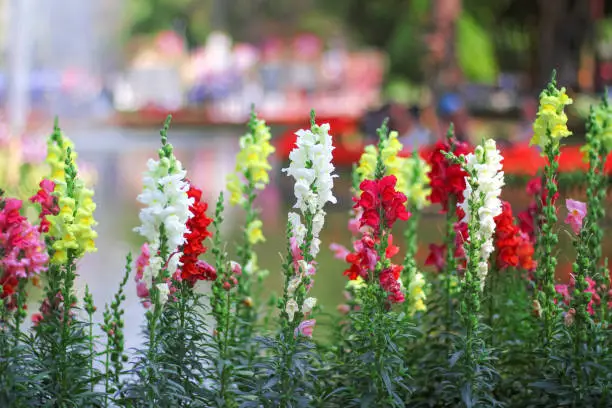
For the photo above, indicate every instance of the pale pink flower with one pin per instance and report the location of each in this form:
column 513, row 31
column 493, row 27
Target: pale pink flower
column 576, row 210
column 142, row 261
column 305, row 328
column 236, row 268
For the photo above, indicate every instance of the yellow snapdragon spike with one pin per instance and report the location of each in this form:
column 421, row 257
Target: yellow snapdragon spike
column 254, row 232
column 72, row 228
column 418, row 189
column 367, row 163
column 251, row 160
column 416, row 293
column 551, row 121
column 393, row 163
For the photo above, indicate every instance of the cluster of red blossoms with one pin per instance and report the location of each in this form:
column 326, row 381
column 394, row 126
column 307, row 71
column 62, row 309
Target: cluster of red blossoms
column 514, row 247
column 364, row 258
column 192, row 268
column 379, row 204
column 377, row 195
column 447, row 179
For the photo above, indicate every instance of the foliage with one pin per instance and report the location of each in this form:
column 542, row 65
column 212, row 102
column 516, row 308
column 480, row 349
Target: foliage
column 491, row 328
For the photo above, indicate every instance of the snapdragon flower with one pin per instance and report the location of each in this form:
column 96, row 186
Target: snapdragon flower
column 483, row 189
column 311, row 167
column 71, row 227
column 252, row 165
column 414, row 170
column 551, row 122
column 394, row 164
column 164, row 216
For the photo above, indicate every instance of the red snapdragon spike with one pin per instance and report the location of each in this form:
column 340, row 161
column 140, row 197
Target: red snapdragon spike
column 380, row 196
column 447, row 180
column 363, row 260
column 192, row 269
column 514, row 248
column 437, row 256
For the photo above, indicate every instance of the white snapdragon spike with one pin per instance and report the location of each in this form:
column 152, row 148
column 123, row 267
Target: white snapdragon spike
column 166, row 203
column 485, row 168
column 311, row 167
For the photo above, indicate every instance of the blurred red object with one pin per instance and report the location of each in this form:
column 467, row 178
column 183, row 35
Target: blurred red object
column 346, row 151
column 519, row 160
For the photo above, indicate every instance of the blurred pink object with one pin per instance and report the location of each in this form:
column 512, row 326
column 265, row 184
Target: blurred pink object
column 170, row 43
column 307, row 45
column 245, row 56
column 272, row 48
column 5, row 135
column 33, row 149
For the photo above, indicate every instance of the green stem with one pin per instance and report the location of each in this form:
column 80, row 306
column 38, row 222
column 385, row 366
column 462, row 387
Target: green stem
column 451, row 263
column 245, row 253
column 547, row 260
column 91, row 352
column 20, row 312
column 106, row 372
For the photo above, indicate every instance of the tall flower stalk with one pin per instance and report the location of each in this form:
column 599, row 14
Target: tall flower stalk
column 223, row 304
column 597, row 148
column 374, row 327
column 164, row 220
column 69, row 235
column 250, row 176
column 113, row 326
column 549, row 128
column 312, row 169
column 447, row 185
column 479, row 207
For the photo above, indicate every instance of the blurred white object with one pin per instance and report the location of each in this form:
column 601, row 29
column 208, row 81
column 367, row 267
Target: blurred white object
column 21, row 13
column 160, row 87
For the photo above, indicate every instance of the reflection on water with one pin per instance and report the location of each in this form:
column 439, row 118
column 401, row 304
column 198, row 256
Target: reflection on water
column 119, row 156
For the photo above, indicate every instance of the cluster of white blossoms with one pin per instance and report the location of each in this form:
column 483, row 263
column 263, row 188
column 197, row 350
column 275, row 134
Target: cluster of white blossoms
column 166, row 207
column 485, row 180
column 311, row 167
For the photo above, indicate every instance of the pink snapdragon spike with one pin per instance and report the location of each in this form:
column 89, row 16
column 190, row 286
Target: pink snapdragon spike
column 24, row 254
column 142, row 290
column 576, row 210
column 305, row 328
